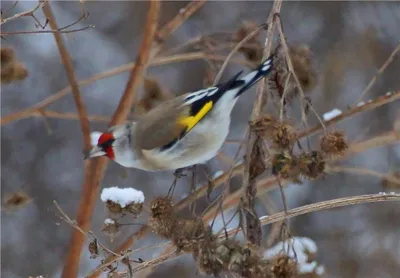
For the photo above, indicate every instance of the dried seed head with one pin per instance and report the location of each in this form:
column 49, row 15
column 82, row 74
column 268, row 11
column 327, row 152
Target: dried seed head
column 20, row 72
column 113, row 208
column 283, row 136
column 207, row 260
column 111, row 228
column 153, row 95
column 7, row 57
column 134, row 208
column 162, row 219
column 93, row 249
column 334, row 143
column 302, row 65
column 311, row 165
column 284, row 164
column 257, row 164
column 283, row 266
column 190, row 235
column 11, row 70
column 160, row 207
column 253, row 53
column 264, row 125
column 16, row 200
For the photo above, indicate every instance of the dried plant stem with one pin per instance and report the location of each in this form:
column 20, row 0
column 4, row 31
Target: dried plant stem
column 296, row 79
column 94, row 174
column 253, row 227
column 80, row 106
column 380, row 71
column 335, row 203
column 29, row 112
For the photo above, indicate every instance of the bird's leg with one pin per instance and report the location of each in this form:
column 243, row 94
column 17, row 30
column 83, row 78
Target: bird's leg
column 179, row 173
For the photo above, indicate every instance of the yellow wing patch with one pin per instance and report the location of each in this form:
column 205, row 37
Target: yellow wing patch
column 191, row 121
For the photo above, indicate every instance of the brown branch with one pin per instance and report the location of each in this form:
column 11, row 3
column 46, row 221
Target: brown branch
column 253, row 231
column 380, row 71
column 95, row 171
column 31, row 111
column 129, row 96
column 80, row 106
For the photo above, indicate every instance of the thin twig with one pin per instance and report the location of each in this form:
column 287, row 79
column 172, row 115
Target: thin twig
column 80, row 106
column 380, row 71
column 179, row 19
column 45, row 31
column 67, row 219
column 23, row 14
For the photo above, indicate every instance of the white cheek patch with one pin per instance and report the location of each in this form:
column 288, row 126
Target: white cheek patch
column 94, row 137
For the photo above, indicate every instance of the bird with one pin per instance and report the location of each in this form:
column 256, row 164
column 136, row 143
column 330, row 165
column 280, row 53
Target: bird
column 179, row 133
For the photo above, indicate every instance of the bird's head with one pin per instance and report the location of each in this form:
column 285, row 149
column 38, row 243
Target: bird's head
column 103, row 145
column 116, row 144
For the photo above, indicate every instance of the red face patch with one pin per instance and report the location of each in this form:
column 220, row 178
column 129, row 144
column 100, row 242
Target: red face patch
column 105, row 142
column 105, row 138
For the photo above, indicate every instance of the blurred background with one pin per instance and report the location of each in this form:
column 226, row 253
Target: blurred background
column 43, row 157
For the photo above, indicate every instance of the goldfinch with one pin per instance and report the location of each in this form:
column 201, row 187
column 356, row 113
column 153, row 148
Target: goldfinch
column 184, row 131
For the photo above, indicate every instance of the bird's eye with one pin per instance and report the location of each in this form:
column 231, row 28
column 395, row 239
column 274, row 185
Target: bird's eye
column 105, row 145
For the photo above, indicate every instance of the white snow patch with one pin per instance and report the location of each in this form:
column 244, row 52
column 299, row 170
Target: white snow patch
column 332, row 114
column 109, row 221
column 263, row 217
column 361, row 103
column 217, row 174
column 94, row 137
column 297, row 247
column 122, row 196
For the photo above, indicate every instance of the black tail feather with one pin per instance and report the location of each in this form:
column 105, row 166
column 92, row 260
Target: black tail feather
column 260, row 72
